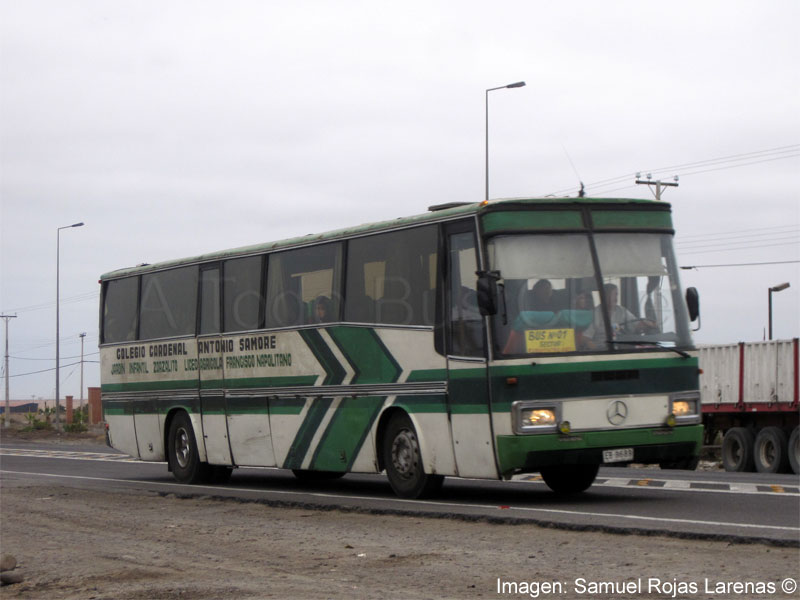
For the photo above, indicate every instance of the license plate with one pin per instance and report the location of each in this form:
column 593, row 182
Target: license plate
column 617, row 455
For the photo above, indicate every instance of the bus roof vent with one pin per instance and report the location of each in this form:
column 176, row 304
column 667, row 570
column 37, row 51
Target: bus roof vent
column 446, row 205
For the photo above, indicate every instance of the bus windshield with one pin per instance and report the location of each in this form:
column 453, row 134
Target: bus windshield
column 557, row 299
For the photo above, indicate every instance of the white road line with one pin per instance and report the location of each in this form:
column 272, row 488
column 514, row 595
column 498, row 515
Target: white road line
column 552, row 511
column 685, row 485
column 703, row 486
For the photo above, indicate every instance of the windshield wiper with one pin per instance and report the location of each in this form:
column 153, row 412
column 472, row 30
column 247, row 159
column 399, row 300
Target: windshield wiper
column 657, row 344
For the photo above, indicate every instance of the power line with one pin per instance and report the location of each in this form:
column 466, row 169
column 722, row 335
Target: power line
column 737, row 231
column 53, row 368
column 69, row 300
column 740, row 247
column 735, row 241
column 723, row 162
column 753, row 264
column 64, row 357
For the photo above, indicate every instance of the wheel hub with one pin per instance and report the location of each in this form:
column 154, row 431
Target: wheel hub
column 405, row 450
column 182, row 447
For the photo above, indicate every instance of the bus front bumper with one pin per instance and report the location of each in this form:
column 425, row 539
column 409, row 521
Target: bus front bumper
column 530, row 453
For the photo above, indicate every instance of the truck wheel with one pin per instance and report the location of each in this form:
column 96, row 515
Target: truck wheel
column 737, row 450
column 771, row 451
column 794, row 450
column 182, row 451
column 403, row 460
column 570, row 479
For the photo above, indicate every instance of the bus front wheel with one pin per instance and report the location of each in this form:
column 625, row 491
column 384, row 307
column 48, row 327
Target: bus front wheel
column 403, row 461
column 570, row 479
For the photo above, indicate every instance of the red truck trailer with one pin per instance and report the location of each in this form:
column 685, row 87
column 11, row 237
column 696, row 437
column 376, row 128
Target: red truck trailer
column 749, row 395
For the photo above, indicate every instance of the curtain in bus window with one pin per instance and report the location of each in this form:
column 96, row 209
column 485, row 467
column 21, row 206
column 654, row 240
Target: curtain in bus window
column 391, row 278
column 120, row 310
column 542, row 256
column 169, row 303
column 630, row 254
column 303, row 286
column 242, row 293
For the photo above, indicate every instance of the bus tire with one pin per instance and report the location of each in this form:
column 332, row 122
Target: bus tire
column 305, row 475
column 403, row 460
column 771, row 452
column 570, row 479
column 182, row 451
column 794, row 450
column 737, row 450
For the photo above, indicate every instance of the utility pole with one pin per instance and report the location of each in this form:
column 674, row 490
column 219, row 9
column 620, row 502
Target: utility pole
column 8, row 404
column 82, row 335
column 659, row 184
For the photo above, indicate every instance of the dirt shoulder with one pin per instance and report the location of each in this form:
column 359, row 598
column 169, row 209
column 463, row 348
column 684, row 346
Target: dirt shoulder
column 73, row 543
column 95, row 434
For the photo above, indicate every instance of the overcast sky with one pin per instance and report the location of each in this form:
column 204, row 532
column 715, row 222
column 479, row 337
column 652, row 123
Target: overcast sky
column 175, row 128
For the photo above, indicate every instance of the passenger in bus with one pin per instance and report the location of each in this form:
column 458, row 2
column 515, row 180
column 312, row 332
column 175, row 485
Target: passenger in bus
column 540, row 296
column 323, row 310
column 585, row 302
column 622, row 320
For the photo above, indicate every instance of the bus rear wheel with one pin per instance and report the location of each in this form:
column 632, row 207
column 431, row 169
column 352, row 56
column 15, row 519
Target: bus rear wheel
column 403, row 461
column 182, row 451
column 570, row 479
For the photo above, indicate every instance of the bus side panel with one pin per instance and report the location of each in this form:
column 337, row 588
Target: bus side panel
column 148, row 425
column 121, row 430
column 210, row 377
column 215, row 427
column 248, row 427
column 469, row 414
column 288, row 415
column 429, row 415
column 344, row 439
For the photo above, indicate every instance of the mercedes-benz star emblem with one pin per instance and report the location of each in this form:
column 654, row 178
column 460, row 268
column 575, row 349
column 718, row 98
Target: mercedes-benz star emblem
column 617, row 412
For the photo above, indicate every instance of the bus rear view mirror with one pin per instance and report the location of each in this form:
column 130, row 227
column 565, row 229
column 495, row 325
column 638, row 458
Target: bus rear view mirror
column 487, row 292
column 693, row 304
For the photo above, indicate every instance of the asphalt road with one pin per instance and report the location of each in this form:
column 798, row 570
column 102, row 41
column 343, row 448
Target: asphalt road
column 704, row 505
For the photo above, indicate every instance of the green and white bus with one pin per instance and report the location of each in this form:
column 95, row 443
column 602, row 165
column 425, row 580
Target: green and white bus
column 477, row 340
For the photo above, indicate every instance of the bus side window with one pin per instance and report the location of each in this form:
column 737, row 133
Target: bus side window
column 169, row 303
column 466, row 323
column 301, row 281
column 121, row 310
column 210, row 300
column 391, row 277
column 242, row 299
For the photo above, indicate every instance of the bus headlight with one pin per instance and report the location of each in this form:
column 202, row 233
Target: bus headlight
column 685, row 407
column 536, row 417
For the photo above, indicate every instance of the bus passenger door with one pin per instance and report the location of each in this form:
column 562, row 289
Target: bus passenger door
column 469, row 406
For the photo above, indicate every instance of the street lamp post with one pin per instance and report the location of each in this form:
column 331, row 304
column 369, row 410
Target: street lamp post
column 82, row 335
column 502, row 87
column 778, row 288
column 58, row 297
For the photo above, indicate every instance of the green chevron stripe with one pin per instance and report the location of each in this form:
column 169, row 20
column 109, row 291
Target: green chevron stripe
column 335, row 373
column 346, row 433
column 367, row 354
column 302, row 441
